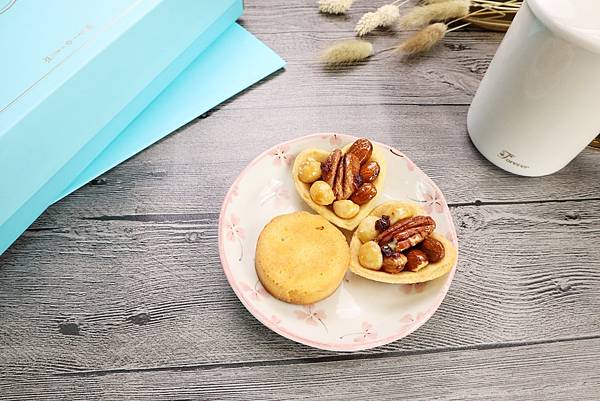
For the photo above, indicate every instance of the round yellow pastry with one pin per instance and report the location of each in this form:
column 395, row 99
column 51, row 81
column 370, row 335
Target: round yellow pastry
column 301, row 258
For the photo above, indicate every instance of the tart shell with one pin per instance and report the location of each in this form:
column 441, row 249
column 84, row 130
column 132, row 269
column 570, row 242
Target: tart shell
column 303, row 189
column 430, row 272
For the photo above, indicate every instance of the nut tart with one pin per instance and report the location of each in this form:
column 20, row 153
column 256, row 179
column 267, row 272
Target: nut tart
column 397, row 243
column 342, row 185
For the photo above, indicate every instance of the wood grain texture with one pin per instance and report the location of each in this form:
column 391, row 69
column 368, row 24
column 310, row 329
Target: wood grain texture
column 449, row 74
column 549, row 372
column 190, row 171
column 117, row 291
column 136, row 292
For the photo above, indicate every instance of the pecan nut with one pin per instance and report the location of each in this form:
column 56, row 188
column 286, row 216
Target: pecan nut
column 433, row 248
column 412, row 236
column 361, row 148
column 416, row 260
column 365, row 193
column 351, row 169
column 369, row 171
column 424, row 224
column 330, row 166
column 338, row 185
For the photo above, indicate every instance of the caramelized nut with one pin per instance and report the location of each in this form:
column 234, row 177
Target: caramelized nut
column 369, row 255
column 309, row 171
column 362, row 148
column 351, row 170
column 321, row 193
column 423, row 223
column 358, row 181
column 416, row 260
column 364, row 194
column 394, row 264
column 366, row 229
column 330, row 166
column 338, row 185
column 411, row 237
column 433, row 248
column 346, row 209
column 369, row 171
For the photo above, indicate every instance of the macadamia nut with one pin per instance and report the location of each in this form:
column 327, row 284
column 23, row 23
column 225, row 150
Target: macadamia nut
column 369, row 255
column 366, row 229
column 321, row 193
column 309, row 171
column 346, row 209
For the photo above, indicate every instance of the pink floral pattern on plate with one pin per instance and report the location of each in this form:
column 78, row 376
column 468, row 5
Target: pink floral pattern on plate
column 335, row 141
column 450, row 237
column 234, row 192
column 256, row 293
column 281, row 156
column 433, row 202
column 413, row 288
column 408, row 320
column 276, row 192
column 311, row 317
column 361, row 314
column 235, row 232
column 367, row 333
column 430, row 198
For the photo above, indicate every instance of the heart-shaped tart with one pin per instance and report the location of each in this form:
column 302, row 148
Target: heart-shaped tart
column 341, row 185
column 397, row 244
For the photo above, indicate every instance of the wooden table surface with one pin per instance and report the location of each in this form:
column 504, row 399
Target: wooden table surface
column 117, row 291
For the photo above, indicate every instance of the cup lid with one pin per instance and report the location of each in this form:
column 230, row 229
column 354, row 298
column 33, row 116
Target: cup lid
column 576, row 21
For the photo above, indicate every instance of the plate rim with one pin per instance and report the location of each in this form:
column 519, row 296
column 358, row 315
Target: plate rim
column 343, row 347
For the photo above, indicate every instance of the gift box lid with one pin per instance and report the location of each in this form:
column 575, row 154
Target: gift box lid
column 73, row 70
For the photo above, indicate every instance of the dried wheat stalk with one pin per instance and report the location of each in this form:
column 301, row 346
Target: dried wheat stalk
column 347, row 52
column 421, row 16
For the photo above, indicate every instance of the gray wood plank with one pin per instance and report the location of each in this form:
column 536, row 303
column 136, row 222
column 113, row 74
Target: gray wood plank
column 125, row 275
column 557, row 371
column 449, row 74
column 190, row 171
column 148, row 291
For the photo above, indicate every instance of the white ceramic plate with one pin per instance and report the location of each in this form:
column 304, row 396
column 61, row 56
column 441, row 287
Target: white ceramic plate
column 361, row 314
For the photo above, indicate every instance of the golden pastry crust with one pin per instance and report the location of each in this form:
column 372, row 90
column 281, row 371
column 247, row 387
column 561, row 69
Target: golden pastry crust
column 301, row 258
column 430, row 272
column 303, row 189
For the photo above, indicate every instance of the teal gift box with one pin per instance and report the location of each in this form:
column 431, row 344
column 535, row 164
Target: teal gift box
column 74, row 74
